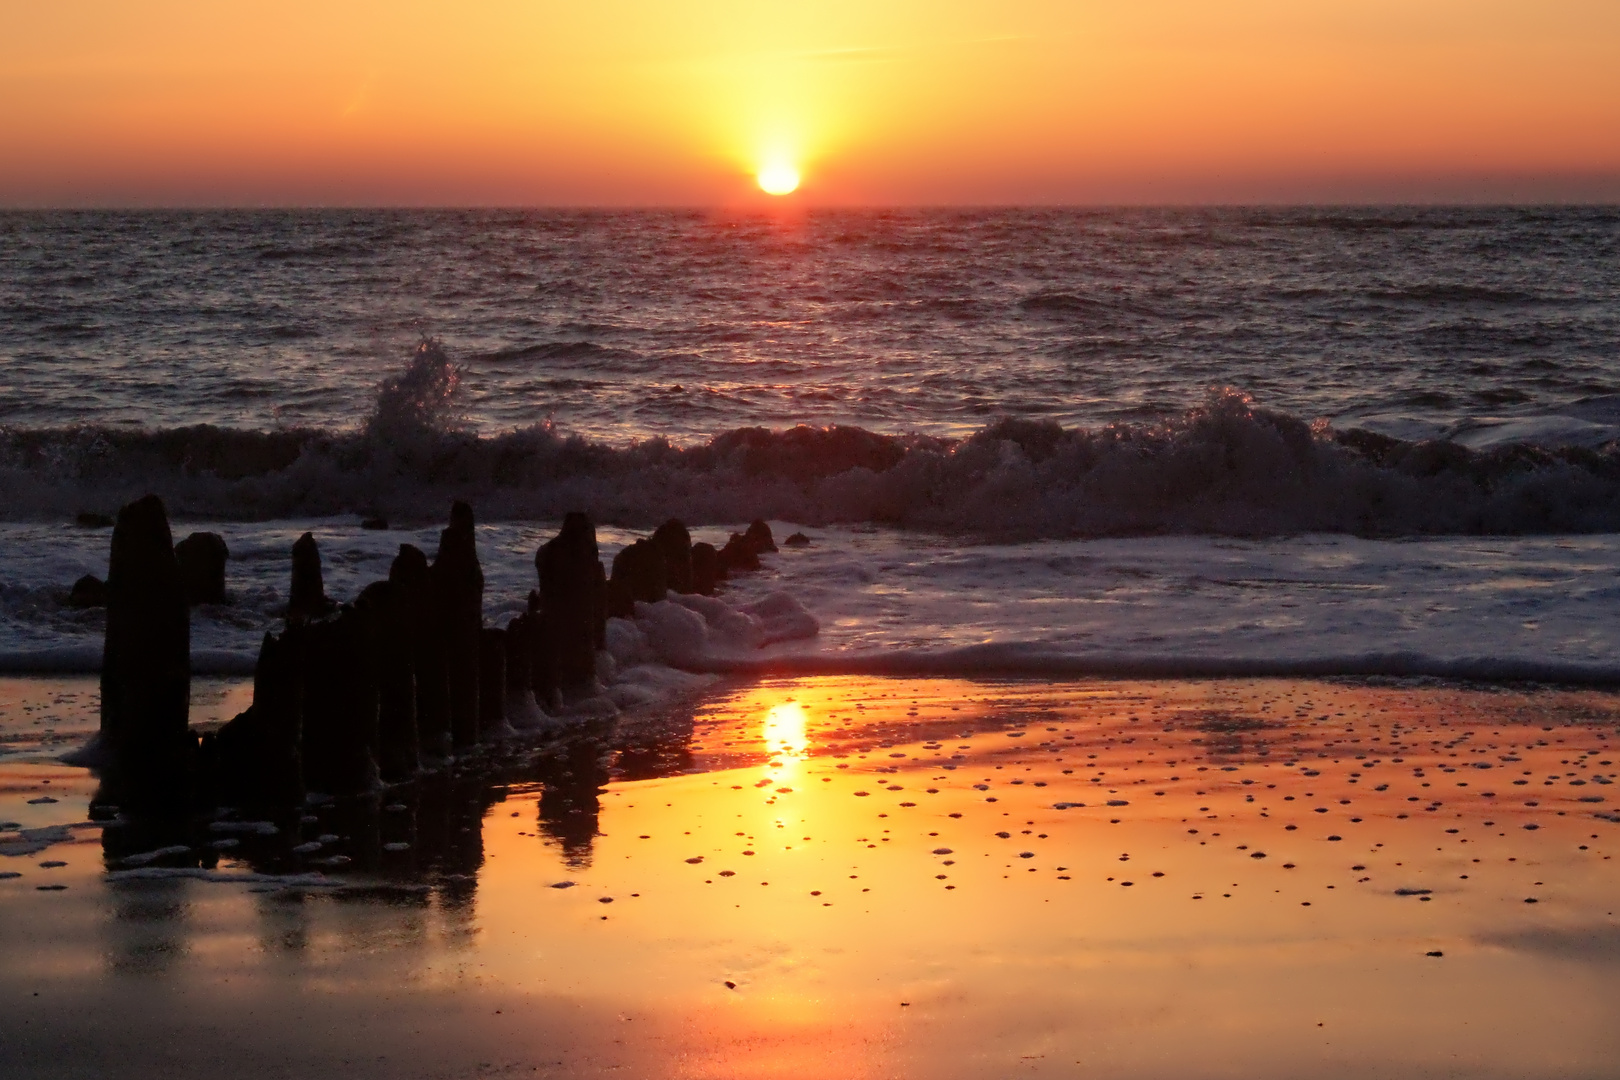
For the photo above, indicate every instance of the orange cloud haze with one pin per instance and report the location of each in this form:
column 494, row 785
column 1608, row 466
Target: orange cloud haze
column 876, row 101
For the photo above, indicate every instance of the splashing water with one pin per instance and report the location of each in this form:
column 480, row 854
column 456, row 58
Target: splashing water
column 421, row 400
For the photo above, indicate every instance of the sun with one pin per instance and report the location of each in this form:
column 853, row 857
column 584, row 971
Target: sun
column 778, row 178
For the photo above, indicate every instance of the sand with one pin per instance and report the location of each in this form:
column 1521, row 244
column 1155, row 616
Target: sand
column 852, row 877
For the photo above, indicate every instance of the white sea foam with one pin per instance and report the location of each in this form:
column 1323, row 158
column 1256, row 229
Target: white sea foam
column 1501, row 608
column 255, row 828
column 1227, row 467
column 147, row 857
column 523, row 713
column 873, row 598
column 35, row 840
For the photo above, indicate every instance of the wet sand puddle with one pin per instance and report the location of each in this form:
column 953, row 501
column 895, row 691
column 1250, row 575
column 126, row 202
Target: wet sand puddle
column 867, row 877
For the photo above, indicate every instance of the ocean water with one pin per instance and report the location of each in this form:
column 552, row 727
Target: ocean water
column 628, row 325
column 1306, row 441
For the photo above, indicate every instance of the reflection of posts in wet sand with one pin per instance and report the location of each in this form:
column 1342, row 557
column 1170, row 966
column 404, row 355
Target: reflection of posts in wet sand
column 426, row 831
column 449, row 846
column 416, row 847
column 657, row 747
column 148, row 931
column 284, row 922
column 414, row 833
column 572, row 775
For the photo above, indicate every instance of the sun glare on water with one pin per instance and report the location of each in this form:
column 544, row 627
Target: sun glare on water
column 778, row 178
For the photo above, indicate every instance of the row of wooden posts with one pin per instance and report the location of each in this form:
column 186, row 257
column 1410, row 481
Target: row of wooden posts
column 405, row 677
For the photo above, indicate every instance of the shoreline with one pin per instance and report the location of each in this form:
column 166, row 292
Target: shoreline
column 995, row 661
column 1537, row 609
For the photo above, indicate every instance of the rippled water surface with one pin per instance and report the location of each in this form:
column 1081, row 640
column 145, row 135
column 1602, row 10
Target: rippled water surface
column 685, row 324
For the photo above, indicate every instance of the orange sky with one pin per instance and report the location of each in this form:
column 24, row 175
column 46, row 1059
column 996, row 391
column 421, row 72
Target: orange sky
column 876, row 101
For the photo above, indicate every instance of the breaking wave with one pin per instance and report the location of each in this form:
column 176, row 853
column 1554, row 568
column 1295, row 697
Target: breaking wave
column 1227, row 467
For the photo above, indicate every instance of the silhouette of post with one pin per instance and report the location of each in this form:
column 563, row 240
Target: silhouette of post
column 146, row 655
column 458, row 593
column 573, row 611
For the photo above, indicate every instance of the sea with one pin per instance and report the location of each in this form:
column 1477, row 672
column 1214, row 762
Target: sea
column 1047, row 442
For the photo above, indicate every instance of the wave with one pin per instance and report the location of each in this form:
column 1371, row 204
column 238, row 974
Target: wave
column 1013, row 660
column 1371, row 221
column 1064, row 306
column 998, row 660
column 1226, row 467
column 557, row 350
column 1437, row 294
column 318, row 250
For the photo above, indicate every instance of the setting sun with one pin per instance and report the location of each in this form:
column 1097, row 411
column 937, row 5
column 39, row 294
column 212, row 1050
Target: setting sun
column 778, row 178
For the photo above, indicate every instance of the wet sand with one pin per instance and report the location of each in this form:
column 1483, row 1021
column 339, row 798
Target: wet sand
column 856, row 877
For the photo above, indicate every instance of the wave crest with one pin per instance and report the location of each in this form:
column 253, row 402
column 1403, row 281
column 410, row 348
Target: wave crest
column 1227, row 467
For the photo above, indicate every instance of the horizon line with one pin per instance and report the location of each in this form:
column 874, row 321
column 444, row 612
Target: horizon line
column 768, row 210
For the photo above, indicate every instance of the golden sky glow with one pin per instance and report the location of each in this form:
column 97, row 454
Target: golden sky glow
column 886, row 101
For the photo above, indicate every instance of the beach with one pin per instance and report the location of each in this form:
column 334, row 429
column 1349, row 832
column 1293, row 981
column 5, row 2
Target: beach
column 1160, row 642
column 860, row 876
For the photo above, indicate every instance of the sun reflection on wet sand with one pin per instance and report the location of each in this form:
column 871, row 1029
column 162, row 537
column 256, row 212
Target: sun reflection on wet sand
column 785, row 730
column 935, row 878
